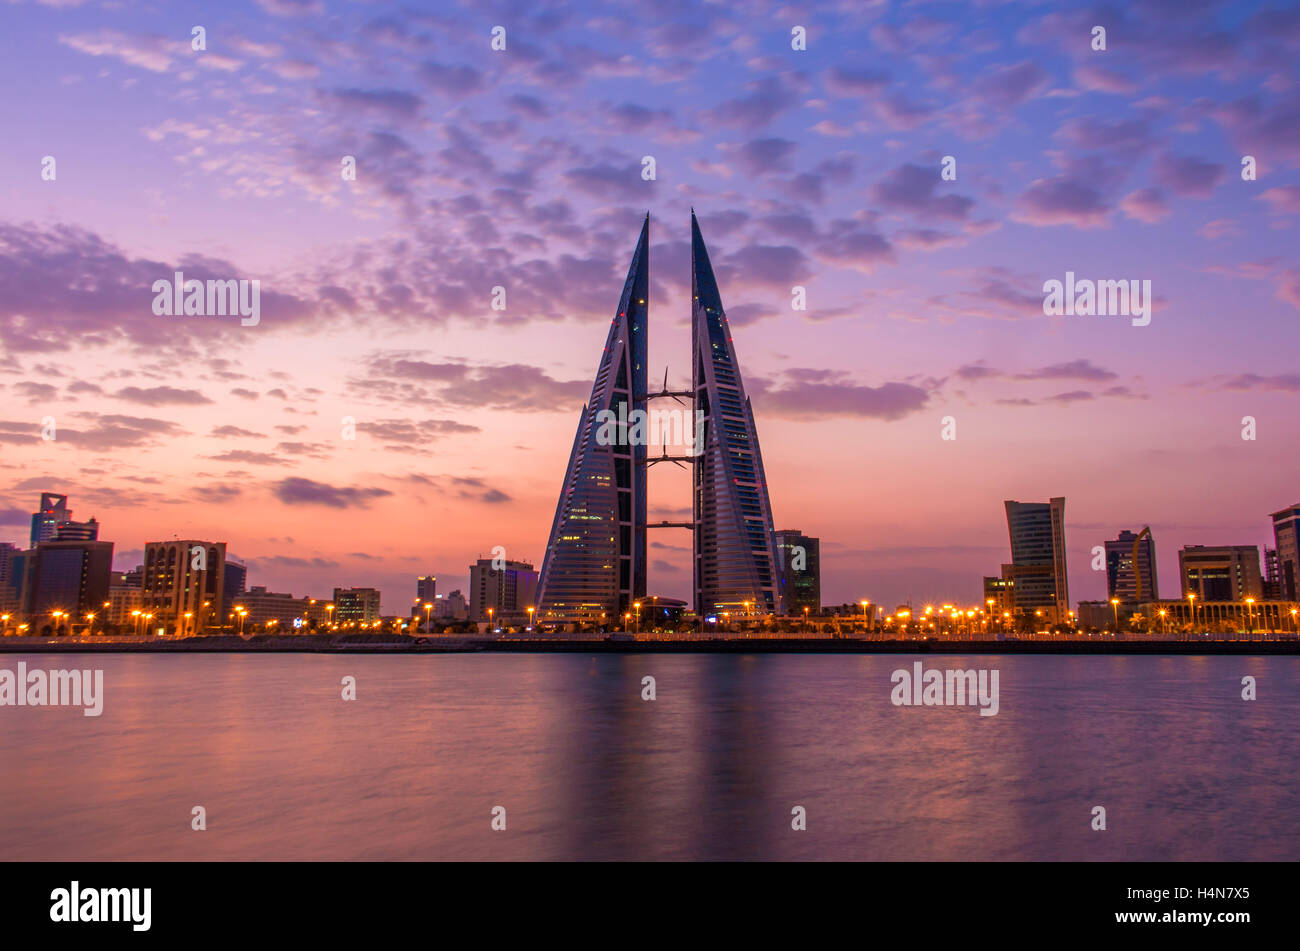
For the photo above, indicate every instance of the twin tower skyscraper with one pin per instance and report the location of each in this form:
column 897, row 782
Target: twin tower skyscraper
column 595, row 564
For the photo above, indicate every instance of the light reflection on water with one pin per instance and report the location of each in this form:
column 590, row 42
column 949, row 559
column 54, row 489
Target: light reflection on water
column 710, row 770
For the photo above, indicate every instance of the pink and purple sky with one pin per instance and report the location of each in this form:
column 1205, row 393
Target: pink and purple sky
column 522, row 168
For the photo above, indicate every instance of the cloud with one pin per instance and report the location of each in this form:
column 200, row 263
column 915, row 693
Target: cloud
column 912, row 188
column 1006, row 87
column 393, row 104
column 1282, row 200
column 1186, row 175
column 298, row 491
column 153, row 52
column 820, row 394
column 400, row 377
column 161, row 396
column 1061, row 201
column 1145, row 204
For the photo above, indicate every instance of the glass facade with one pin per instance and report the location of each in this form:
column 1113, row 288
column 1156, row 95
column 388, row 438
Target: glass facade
column 736, row 564
column 1037, row 568
column 595, row 562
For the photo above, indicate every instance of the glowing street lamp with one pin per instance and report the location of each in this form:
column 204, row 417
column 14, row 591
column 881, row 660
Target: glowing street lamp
column 531, row 609
column 1114, row 603
column 428, row 606
column 1250, row 616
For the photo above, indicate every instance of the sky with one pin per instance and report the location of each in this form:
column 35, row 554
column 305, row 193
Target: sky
column 522, row 168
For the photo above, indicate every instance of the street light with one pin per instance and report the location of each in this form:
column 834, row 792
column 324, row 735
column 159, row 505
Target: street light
column 637, row 605
column 1164, row 626
column 1250, row 616
column 531, row 609
column 90, row 625
column 1191, row 600
column 805, row 619
column 1114, row 603
column 428, row 606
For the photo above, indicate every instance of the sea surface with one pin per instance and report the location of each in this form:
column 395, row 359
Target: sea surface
column 711, row 769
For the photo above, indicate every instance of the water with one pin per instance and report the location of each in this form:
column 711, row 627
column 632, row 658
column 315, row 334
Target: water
column 710, row 770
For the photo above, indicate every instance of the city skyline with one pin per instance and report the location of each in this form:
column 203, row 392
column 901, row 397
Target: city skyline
column 818, row 169
column 407, row 601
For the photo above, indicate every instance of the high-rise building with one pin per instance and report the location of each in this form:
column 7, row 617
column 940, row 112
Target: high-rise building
column 183, row 584
column 52, row 512
column 69, row 577
column 426, row 589
column 595, row 560
column 1124, row 576
column 1272, row 575
column 71, row 531
column 1286, row 532
column 1221, row 572
column 234, row 582
column 359, row 605
column 735, row 559
column 1037, row 568
column 800, row 563
column 594, row 567
column 509, row 590
column 10, row 602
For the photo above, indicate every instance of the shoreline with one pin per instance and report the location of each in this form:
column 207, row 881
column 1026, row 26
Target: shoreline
column 327, row 644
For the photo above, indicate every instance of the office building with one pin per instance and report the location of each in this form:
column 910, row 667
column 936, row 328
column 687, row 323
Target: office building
column 453, row 607
column 1037, row 567
column 509, row 591
column 1286, row 533
column 1221, row 572
column 1000, row 593
column 50, row 514
column 71, row 578
column 10, row 595
column 799, row 560
column 1128, row 579
column 356, row 605
column 735, row 559
column 426, row 590
column 262, row 607
column 595, row 559
column 183, row 584
column 234, row 582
